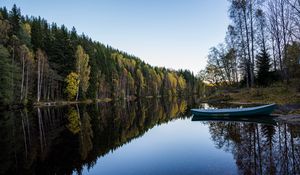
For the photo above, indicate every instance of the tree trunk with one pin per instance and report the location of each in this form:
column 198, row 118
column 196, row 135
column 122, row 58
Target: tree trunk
column 39, row 79
column 41, row 64
column 42, row 75
column 12, row 71
column 274, row 57
column 284, row 33
column 244, row 51
column 77, row 93
column 23, row 77
column 249, row 72
column 278, row 39
column 252, row 43
column 26, row 87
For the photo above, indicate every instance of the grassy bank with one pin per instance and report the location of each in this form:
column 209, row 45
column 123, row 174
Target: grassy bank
column 286, row 96
column 282, row 94
column 279, row 93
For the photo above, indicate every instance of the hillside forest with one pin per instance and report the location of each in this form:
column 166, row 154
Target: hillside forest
column 42, row 62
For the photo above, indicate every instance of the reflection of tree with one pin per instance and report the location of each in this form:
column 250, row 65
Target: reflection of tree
column 268, row 132
column 86, row 136
column 174, row 107
column 41, row 130
column 7, row 142
column 258, row 148
column 24, row 136
column 100, row 128
column 222, row 132
column 74, row 120
column 59, row 140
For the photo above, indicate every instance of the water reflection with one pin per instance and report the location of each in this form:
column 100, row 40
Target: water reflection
column 259, row 148
column 64, row 140
column 267, row 120
column 259, row 144
column 60, row 140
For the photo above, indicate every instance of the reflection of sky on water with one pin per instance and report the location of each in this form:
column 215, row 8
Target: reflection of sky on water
column 61, row 140
column 178, row 147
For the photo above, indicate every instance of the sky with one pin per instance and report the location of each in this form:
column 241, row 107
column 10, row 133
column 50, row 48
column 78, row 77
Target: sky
column 175, row 34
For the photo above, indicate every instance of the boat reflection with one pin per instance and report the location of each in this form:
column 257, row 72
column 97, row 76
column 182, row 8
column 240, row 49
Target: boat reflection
column 253, row 119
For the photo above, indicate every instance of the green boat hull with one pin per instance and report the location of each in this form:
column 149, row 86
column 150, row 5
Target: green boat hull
column 238, row 112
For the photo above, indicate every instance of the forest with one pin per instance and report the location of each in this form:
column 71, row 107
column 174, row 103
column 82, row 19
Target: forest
column 42, row 62
column 261, row 46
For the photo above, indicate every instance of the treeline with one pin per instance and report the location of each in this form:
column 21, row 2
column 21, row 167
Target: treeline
column 262, row 44
column 45, row 62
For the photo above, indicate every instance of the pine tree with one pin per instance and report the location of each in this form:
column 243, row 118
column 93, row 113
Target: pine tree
column 6, row 91
column 15, row 19
column 37, row 59
column 263, row 66
column 4, row 29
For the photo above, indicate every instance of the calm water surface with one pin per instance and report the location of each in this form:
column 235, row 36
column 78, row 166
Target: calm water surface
column 146, row 137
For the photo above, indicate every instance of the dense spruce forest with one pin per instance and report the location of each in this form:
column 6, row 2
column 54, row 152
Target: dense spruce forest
column 44, row 62
column 262, row 45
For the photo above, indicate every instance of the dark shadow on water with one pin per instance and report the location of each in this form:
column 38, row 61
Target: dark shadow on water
column 62, row 140
column 240, row 119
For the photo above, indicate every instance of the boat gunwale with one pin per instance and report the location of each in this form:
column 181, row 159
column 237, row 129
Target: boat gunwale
column 259, row 110
column 232, row 110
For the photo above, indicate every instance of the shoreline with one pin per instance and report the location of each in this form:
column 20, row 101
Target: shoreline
column 87, row 101
column 64, row 103
column 287, row 113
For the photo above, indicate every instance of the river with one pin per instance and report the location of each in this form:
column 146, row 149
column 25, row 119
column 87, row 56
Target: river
column 151, row 137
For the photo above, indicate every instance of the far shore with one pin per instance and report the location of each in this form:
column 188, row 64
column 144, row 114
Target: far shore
column 63, row 103
column 87, row 101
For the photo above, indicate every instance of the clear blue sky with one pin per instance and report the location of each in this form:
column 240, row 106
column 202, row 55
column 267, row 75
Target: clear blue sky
column 171, row 33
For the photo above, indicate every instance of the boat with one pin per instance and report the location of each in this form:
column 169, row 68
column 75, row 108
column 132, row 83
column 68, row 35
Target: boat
column 236, row 112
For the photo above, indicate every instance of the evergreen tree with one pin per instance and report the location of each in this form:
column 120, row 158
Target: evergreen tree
column 6, row 91
column 4, row 29
column 37, row 61
column 4, row 12
column 263, row 66
column 15, row 19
